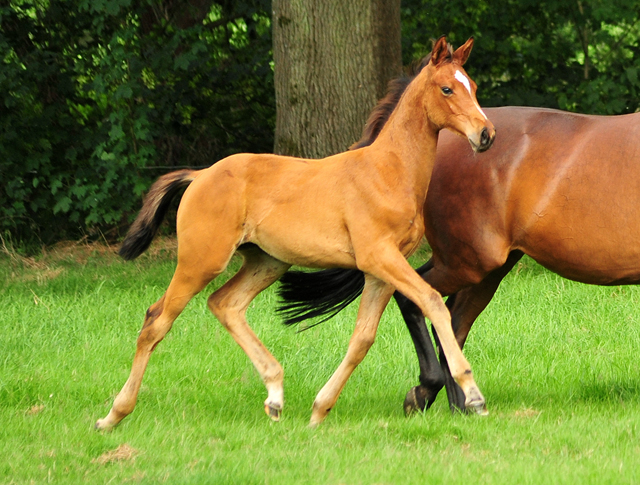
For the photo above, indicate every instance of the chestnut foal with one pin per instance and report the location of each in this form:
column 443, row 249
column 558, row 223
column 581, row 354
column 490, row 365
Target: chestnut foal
column 361, row 209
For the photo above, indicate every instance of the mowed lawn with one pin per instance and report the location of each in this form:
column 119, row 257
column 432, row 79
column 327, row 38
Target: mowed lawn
column 557, row 362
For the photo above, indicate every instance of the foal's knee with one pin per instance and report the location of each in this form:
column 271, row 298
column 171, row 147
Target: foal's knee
column 154, row 329
column 215, row 307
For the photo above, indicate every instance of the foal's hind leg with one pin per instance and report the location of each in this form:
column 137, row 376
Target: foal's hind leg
column 229, row 304
column 157, row 322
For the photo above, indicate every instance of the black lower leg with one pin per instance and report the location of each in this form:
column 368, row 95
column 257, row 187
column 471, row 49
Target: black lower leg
column 431, row 376
column 455, row 395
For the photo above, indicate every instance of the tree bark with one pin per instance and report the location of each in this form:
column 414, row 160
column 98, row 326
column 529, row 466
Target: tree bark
column 333, row 60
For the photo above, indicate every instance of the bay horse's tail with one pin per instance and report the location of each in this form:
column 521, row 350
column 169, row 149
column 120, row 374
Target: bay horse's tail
column 154, row 208
column 317, row 294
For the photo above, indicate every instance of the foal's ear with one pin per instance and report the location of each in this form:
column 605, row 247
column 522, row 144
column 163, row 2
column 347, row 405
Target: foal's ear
column 462, row 53
column 441, row 51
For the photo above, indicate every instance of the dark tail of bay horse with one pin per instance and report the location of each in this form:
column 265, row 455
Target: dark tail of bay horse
column 155, row 207
column 326, row 294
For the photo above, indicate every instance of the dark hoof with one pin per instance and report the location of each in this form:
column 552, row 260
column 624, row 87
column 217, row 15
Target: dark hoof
column 415, row 400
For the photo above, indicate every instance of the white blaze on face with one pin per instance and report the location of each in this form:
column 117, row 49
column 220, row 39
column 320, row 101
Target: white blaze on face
column 465, row 82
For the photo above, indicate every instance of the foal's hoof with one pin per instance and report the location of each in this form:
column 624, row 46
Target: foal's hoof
column 316, row 420
column 479, row 409
column 273, row 412
column 415, row 401
column 318, row 413
column 101, row 425
column 475, row 403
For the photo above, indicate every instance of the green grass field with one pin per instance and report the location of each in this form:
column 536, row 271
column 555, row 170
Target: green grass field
column 556, row 360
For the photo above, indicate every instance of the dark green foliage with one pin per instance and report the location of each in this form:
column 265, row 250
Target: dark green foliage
column 98, row 98
column 578, row 55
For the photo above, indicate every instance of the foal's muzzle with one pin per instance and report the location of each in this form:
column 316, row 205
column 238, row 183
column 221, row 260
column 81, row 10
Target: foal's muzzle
column 483, row 141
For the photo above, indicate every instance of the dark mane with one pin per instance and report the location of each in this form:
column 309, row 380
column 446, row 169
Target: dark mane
column 386, row 105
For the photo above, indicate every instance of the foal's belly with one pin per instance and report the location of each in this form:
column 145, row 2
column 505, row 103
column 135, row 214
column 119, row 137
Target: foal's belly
column 307, row 245
column 311, row 256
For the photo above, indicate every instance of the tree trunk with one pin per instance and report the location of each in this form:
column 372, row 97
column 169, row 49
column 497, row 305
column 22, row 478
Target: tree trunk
column 333, row 60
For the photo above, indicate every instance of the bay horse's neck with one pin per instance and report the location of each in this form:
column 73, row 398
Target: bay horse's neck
column 410, row 136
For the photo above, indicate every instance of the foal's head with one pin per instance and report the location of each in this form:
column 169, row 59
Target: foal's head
column 450, row 96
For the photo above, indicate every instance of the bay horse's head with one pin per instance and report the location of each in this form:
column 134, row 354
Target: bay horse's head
column 450, row 97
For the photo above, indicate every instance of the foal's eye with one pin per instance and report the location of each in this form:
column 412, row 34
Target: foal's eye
column 447, row 91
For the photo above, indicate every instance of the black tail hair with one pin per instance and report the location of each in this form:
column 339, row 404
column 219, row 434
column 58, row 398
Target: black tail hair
column 317, row 294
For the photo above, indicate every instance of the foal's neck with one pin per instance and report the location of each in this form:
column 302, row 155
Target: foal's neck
column 410, row 136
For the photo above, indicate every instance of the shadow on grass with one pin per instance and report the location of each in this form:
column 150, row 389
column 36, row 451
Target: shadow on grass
column 592, row 391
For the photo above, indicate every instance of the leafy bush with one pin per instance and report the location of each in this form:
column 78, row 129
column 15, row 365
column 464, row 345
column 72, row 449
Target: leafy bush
column 580, row 56
column 100, row 97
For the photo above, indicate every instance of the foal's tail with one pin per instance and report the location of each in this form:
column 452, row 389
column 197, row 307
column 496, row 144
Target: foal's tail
column 155, row 206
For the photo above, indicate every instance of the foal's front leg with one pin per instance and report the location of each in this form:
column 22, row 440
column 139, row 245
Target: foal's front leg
column 390, row 265
column 374, row 299
column 465, row 306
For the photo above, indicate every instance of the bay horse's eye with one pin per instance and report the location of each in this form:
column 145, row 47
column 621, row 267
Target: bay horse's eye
column 446, row 91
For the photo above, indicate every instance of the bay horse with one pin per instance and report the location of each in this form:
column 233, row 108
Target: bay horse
column 563, row 188
column 358, row 209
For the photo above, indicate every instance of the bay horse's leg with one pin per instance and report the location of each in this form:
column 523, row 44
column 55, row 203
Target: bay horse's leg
column 229, row 304
column 432, row 378
column 157, row 322
column 389, row 265
column 465, row 307
column 374, row 299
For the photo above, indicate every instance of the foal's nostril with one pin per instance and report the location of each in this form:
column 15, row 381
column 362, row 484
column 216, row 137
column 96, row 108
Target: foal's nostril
column 484, row 137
